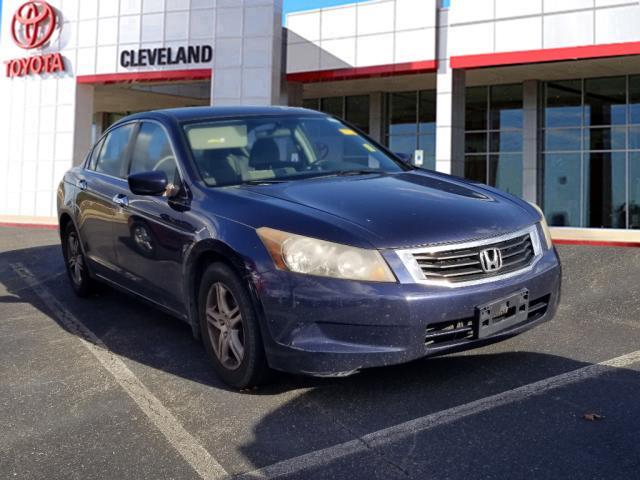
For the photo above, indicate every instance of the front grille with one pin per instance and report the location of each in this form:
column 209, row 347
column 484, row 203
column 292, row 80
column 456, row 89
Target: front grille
column 463, row 265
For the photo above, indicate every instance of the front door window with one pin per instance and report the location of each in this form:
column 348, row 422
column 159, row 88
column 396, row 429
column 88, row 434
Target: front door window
column 152, row 152
column 111, row 159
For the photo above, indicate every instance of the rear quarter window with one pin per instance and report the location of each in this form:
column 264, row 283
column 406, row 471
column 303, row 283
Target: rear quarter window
column 93, row 158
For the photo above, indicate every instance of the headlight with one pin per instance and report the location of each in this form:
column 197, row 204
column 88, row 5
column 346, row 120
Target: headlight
column 326, row 259
column 543, row 224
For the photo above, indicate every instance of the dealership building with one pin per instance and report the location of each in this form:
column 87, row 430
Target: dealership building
column 540, row 98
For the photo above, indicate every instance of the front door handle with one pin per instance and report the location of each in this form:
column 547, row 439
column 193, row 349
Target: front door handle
column 121, row 200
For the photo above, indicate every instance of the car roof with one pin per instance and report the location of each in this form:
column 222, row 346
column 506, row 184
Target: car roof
column 189, row 114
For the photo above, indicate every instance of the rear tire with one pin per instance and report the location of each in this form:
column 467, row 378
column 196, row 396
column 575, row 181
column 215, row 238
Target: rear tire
column 75, row 262
column 230, row 329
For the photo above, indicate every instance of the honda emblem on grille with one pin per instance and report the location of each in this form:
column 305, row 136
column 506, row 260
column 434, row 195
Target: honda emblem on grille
column 491, row 260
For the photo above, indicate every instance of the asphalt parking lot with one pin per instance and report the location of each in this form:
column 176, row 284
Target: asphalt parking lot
column 109, row 388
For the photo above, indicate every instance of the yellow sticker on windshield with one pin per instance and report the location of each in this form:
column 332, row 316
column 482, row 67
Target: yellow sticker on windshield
column 348, row 131
column 368, row 147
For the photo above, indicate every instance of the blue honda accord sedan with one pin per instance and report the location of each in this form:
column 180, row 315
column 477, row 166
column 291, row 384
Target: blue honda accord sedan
column 288, row 240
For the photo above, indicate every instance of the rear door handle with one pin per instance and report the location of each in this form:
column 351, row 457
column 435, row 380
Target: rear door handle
column 82, row 184
column 121, row 200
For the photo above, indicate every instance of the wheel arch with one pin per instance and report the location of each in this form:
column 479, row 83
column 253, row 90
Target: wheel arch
column 201, row 256
column 64, row 220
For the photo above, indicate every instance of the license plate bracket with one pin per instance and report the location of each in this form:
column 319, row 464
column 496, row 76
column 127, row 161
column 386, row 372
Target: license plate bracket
column 501, row 314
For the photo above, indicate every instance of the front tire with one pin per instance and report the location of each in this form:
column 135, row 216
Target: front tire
column 230, row 330
column 75, row 262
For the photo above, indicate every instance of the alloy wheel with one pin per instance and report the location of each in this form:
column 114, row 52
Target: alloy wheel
column 224, row 322
column 75, row 260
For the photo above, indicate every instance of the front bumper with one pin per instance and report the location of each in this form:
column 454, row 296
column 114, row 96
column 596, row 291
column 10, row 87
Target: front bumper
column 321, row 326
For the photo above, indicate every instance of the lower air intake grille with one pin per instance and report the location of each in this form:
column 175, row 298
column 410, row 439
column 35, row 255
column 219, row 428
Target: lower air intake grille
column 451, row 331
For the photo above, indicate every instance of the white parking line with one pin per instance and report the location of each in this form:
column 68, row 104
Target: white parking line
column 437, row 419
column 185, row 443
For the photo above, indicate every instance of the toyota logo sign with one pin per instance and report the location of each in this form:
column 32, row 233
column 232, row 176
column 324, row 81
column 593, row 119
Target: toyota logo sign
column 33, row 24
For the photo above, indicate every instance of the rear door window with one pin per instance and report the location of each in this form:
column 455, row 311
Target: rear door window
column 111, row 159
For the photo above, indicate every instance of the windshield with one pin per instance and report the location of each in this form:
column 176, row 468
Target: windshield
column 274, row 149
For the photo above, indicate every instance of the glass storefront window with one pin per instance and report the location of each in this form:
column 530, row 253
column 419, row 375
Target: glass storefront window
column 591, row 174
column 411, row 124
column 476, row 142
column 633, row 185
column 357, row 111
column 561, row 189
column 634, row 138
column 427, row 112
column 353, row 109
column 634, row 100
column 605, row 101
column 505, row 172
column 494, row 141
column 605, row 192
column 608, row 138
column 311, row 103
column 505, row 141
column 475, row 168
column 332, row 106
column 403, row 113
column 563, row 143
column 562, row 139
column 428, row 144
column 506, row 107
column 563, row 104
column 406, row 144
column 476, row 104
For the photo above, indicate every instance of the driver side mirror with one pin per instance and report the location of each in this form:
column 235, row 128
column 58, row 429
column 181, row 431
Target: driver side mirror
column 148, row 183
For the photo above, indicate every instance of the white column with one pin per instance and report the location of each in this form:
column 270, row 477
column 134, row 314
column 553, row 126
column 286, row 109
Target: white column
column 450, row 106
column 530, row 90
column 247, row 66
column 82, row 138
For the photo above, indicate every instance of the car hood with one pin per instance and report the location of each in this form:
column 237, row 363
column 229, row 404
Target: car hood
column 407, row 209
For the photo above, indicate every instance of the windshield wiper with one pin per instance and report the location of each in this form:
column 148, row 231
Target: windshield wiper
column 339, row 173
column 266, row 181
column 346, row 173
column 364, row 171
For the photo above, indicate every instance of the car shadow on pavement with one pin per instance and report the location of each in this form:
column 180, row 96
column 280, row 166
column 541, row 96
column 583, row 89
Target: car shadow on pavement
column 138, row 331
column 127, row 325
